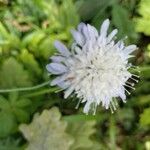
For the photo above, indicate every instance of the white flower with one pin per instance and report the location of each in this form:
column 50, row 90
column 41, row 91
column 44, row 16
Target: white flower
column 96, row 68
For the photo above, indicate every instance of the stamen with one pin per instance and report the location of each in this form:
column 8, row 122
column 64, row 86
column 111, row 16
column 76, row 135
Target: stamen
column 95, row 107
column 135, row 68
column 116, row 103
column 135, row 75
column 132, row 84
column 129, row 86
column 134, row 80
column 111, row 109
column 77, row 106
column 127, row 91
column 113, row 104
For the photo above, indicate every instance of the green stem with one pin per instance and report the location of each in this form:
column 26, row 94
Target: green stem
column 42, row 92
column 112, row 133
column 24, row 88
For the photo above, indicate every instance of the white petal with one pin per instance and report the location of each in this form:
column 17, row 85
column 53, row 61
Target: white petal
column 78, row 50
column 104, row 28
column 129, row 49
column 69, row 91
column 78, row 37
column 122, row 96
column 62, row 48
column 111, row 35
column 87, row 107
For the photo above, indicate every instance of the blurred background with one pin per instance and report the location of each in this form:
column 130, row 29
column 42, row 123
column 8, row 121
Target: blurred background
column 39, row 118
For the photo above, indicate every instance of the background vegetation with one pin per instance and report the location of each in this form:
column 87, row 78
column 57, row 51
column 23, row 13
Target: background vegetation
column 39, row 118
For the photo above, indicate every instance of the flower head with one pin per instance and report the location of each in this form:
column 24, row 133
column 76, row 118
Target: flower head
column 96, row 67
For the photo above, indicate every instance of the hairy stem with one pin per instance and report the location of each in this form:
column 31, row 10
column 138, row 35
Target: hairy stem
column 24, row 88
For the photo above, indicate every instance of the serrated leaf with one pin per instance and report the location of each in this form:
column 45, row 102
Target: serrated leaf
column 47, row 131
column 81, row 131
column 9, row 144
column 4, row 104
column 145, row 117
column 69, row 17
column 16, row 106
column 3, row 30
column 30, row 62
column 13, row 96
column 13, row 75
column 21, row 103
column 7, row 123
column 21, row 115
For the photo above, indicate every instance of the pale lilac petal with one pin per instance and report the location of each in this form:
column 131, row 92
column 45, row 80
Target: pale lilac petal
column 51, row 70
column 104, row 28
column 59, row 79
column 121, row 44
column 81, row 26
column 64, row 85
column 86, row 32
column 58, row 67
column 62, row 48
column 57, row 59
column 78, row 37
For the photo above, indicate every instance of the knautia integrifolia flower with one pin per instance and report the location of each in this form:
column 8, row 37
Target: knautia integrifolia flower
column 95, row 69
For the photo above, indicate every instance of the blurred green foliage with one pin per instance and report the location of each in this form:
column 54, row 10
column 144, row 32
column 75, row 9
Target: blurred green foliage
column 28, row 29
column 143, row 21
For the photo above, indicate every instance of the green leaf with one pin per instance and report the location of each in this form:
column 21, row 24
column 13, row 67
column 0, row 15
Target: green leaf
column 21, row 115
column 69, row 17
column 47, row 131
column 9, row 144
column 30, row 62
column 33, row 39
column 145, row 117
column 21, row 103
column 81, row 131
column 143, row 22
column 89, row 9
column 13, row 75
column 3, row 30
column 13, row 96
column 120, row 18
column 4, row 104
column 7, row 123
column 16, row 106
